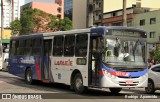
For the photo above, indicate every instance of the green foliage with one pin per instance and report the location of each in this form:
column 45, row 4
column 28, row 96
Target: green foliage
column 53, row 24
column 27, row 21
column 155, row 55
column 65, row 24
column 15, row 26
column 34, row 20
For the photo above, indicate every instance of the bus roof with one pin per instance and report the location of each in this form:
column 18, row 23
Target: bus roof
column 47, row 34
column 37, row 35
column 100, row 30
column 103, row 28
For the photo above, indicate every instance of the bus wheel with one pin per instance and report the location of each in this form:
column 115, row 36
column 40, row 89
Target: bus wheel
column 115, row 90
column 150, row 88
column 28, row 76
column 78, row 84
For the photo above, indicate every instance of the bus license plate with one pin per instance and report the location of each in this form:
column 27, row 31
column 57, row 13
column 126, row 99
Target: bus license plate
column 129, row 82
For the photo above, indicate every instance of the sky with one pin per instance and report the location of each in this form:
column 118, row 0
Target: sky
column 26, row 1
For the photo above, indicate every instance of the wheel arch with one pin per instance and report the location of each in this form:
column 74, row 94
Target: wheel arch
column 76, row 71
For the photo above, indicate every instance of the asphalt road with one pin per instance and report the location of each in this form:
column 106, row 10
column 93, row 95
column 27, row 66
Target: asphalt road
column 18, row 89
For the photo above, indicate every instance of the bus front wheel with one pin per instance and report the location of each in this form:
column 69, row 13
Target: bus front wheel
column 78, row 84
column 28, row 76
column 115, row 90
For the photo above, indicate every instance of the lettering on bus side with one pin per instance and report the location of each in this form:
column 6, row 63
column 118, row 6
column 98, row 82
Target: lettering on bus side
column 66, row 63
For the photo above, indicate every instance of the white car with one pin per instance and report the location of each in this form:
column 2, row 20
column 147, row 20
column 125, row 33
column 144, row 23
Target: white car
column 153, row 79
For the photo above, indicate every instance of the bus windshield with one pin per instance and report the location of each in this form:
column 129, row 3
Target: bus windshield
column 123, row 51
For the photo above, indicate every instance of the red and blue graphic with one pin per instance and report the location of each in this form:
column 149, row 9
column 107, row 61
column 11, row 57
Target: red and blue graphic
column 121, row 74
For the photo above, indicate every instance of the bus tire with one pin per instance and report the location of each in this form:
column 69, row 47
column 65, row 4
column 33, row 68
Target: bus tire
column 115, row 90
column 150, row 89
column 28, row 76
column 78, row 84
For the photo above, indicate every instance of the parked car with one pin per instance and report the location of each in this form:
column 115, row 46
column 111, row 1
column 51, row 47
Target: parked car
column 5, row 62
column 153, row 79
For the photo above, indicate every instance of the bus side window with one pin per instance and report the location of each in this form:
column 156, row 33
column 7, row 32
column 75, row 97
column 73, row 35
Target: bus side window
column 13, row 49
column 21, row 47
column 28, row 48
column 69, row 45
column 36, row 48
column 58, row 46
column 81, row 45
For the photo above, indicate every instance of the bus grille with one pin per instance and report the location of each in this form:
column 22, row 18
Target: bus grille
column 121, row 83
column 128, row 77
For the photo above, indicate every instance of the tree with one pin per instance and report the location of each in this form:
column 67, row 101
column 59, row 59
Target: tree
column 155, row 55
column 26, row 21
column 16, row 27
column 34, row 21
column 65, row 24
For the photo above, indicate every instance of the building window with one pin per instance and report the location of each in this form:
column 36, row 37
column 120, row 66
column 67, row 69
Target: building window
column 100, row 17
column 129, row 23
column 142, row 22
column 152, row 35
column 59, row 16
column 152, row 20
column 59, row 9
column 114, row 14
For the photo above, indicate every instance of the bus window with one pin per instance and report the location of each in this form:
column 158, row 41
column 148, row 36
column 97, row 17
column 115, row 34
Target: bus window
column 21, row 47
column 69, row 45
column 58, row 46
column 28, row 48
column 81, row 45
column 36, row 48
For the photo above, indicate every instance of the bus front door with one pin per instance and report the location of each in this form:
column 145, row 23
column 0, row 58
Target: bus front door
column 95, row 61
column 47, row 59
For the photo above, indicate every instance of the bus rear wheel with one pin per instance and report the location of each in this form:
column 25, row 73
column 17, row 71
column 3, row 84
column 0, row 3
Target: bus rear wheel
column 115, row 90
column 78, row 84
column 28, row 76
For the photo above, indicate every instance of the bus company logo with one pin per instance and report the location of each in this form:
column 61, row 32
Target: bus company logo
column 31, row 61
column 6, row 96
column 65, row 63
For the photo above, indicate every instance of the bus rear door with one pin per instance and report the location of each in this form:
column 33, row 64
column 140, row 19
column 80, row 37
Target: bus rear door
column 46, row 70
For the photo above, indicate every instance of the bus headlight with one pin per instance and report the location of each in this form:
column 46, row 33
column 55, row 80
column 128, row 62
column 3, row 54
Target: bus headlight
column 110, row 75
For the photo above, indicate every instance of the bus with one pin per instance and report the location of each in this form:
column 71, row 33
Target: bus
column 101, row 57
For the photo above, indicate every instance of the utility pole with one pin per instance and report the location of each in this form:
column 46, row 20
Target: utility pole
column 2, row 20
column 124, row 13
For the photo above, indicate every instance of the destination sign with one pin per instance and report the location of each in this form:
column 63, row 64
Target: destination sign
column 129, row 33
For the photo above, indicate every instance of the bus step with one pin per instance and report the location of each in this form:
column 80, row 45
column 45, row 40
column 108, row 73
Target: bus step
column 45, row 81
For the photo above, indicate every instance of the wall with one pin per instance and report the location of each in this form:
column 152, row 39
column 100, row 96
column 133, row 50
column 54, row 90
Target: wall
column 79, row 14
column 112, row 5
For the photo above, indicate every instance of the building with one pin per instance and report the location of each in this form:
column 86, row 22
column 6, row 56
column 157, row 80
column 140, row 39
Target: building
column 87, row 13
column 149, row 21
column 115, row 18
column 56, row 8
column 113, row 5
column 68, row 8
column 7, row 6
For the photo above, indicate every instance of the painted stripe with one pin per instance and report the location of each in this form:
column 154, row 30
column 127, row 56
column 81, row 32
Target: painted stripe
column 38, row 70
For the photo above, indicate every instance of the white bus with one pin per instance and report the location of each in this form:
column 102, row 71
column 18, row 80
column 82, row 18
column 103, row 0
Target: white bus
column 102, row 57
